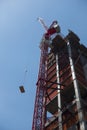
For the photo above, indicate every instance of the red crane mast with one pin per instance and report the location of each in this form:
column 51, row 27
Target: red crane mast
column 39, row 108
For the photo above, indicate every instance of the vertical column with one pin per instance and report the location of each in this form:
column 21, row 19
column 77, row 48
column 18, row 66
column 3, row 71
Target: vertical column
column 77, row 92
column 59, row 96
column 44, row 98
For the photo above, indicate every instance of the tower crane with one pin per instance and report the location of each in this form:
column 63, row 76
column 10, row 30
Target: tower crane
column 39, row 108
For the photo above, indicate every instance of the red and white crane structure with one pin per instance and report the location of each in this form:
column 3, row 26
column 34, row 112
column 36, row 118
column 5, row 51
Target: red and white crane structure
column 39, row 108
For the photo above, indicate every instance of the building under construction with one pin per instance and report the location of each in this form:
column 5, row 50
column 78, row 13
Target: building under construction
column 61, row 96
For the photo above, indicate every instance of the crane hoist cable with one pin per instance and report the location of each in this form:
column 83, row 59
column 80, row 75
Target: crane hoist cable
column 21, row 88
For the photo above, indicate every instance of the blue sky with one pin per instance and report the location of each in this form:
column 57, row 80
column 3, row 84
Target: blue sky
column 20, row 35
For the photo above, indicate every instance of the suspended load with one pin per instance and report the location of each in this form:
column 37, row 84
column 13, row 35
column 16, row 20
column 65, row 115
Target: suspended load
column 22, row 90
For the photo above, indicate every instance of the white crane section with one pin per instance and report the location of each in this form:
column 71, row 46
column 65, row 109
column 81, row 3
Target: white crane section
column 42, row 23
